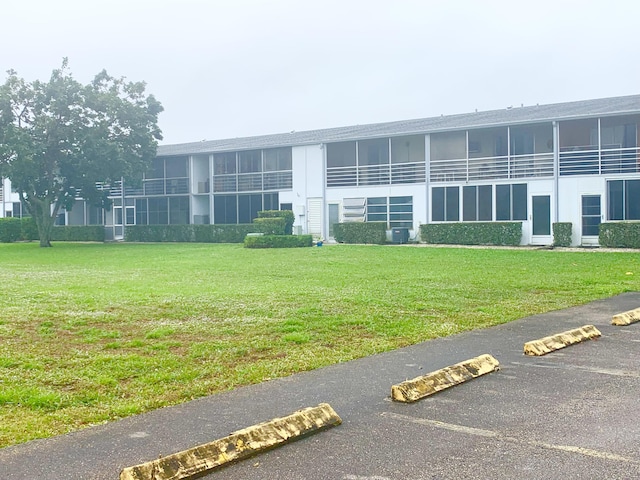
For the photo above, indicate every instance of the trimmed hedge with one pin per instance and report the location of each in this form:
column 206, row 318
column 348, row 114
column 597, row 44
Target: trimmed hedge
column 271, row 226
column 288, row 215
column 14, row 229
column 278, row 241
column 78, row 233
column 189, row 233
column 620, row 234
column 361, row 232
column 472, row 233
column 10, row 230
column 562, row 234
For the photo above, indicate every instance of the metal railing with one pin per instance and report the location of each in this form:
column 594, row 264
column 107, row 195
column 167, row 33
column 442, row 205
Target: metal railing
column 492, row 168
column 589, row 160
column 386, row 174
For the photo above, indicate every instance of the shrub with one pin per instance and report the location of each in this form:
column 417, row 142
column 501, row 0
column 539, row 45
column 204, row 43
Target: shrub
column 234, row 233
column 29, row 229
column 472, row 233
column 359, row 232
column 78, row 233
column 288, row 215
column 271, row 226
column 10, row 230
column 620, row 234
column 278, row 241
column 562, row 234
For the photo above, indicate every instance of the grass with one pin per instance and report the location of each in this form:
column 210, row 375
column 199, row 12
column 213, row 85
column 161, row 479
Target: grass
column 90, row 333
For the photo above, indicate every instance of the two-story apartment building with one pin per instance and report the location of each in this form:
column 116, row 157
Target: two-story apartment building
column 573, row 162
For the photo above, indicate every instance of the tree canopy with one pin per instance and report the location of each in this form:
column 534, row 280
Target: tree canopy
column 59, row 139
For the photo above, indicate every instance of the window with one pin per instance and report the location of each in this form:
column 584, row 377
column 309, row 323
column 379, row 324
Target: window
column 158, row 211
column 232, row 209
column 176, row 167
column 224, row 163
column 445, row 204
column 141, row 211
column 477, row 203
column 511, row 202
column 277, row 159
column 250, row 162
column 623, row 199
column 341, row 154
column 377, row 209
column 179, row 210
column 394, row 211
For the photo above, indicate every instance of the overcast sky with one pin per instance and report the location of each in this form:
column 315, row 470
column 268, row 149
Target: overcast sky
column 234, row 68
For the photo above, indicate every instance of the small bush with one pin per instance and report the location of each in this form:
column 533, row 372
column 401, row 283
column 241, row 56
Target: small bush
column 620, row 234
column 358, row 232
column 271, row 226
column 288, row 215
column 29, row 229
column 278, row 241
column 10, row 230
column 78, row 233
column 234, row 233
column 562, row 234
column 472, row 233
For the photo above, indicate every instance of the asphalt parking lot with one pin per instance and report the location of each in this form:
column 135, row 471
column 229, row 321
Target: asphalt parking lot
column 571, row 414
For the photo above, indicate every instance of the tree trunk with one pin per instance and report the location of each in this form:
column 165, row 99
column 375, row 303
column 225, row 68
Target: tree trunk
column 41, row 212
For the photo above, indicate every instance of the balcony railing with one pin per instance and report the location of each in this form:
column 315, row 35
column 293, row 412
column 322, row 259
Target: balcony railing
column 589, row 160
column 386, row 174
column 491, row 168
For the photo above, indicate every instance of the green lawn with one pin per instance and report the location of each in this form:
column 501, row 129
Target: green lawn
column 91, row 332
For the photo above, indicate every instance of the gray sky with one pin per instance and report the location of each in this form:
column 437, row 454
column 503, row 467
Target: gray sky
column 234, row 68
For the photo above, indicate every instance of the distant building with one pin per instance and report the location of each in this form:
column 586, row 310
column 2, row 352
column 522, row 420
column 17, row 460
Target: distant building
column 573, row 162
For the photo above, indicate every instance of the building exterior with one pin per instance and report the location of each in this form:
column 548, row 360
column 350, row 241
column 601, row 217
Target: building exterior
column 575, row 162
column 9, row 200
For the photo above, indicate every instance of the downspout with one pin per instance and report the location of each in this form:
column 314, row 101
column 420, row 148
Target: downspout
column 556, row 170
column 325, row 206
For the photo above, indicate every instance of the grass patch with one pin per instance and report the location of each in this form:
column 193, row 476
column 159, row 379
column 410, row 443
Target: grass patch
column 95, row 332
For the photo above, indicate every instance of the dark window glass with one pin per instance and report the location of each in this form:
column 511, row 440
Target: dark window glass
column 225, row 209
column 157, row 169
column 341, row 154
column 248, row 207
column 616, row 199
column 158, row 211
column 452, row 202
column 485, row 204
column 541, row 215
column 469, row 213
column 503, row 202
column 250, row 162
column 373, row 152
column 519, row 195
column 632, row 205
column 271, row 202
column 179, row 210
column 437, row 204
column 277, row 159
column 284, row 206
column 176, row 167
column 224, row 163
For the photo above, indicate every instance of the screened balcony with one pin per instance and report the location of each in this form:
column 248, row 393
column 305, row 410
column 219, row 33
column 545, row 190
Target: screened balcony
column 492, row 153
column 599, row 146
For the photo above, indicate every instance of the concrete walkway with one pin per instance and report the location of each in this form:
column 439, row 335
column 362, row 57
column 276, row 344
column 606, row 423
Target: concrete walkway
column 571, row 414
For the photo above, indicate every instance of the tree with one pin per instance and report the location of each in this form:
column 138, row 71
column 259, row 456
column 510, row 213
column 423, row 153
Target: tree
column 60, row 139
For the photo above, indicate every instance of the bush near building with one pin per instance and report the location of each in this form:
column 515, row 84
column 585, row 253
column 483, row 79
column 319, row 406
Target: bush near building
column 562, row 234
column 620, row 234
column 360, row 232
column 278, row 241
column 472, row 233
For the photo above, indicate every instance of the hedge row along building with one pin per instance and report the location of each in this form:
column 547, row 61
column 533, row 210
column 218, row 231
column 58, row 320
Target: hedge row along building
column 575, row 162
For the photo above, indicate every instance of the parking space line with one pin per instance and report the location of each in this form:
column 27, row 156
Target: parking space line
column 604, row 371
column 498, row 436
